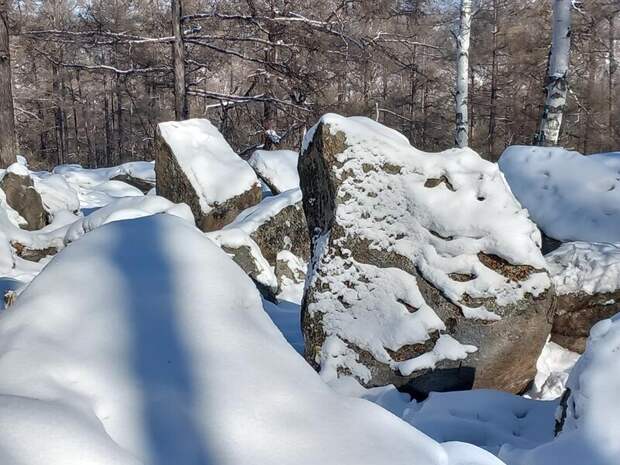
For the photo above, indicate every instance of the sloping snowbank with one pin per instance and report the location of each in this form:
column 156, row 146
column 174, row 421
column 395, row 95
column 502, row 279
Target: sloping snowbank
column 143, row 343
column 570, row 196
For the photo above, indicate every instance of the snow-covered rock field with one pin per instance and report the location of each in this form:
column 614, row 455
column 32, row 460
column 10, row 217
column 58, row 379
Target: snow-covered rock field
column 132, row 337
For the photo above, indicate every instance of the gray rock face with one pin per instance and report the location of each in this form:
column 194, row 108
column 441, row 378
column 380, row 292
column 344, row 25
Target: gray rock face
column 259, row 236
column 289, row 268
column 287, row 230
column 577, row 313
column 174, row 184
column 23, row 198
column 401, row 289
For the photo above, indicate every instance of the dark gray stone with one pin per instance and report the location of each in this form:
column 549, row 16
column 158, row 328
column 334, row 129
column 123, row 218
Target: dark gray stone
column 25, row 200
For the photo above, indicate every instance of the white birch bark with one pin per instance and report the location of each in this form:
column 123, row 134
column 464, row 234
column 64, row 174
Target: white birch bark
column 556, row 85
column 462, row 75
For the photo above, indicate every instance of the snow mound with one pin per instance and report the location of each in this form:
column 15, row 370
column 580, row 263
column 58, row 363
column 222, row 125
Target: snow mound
column 278, row 168
column 95, row 187
column 166, row 356
column 585, row 267
column 591, row 417
column 214, row 170
column 439, row 212
column 570, row 196
column 125, row 209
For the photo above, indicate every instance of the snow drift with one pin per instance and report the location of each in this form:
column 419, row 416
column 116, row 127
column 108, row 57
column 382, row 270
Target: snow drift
column 570, row 196
column 143, row 343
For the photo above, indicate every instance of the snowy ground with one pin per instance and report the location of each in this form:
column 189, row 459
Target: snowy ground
column 143, row 343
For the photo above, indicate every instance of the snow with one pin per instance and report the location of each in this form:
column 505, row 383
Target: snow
column 214, row 170
column 95, row 187
column 68, row 193
column 166, row 356
column 277, row 167
column 56, row 193
column 585, row 267
column 570, row 196
column 591, row 431
column 553, row 367
column 440, row 230
column 252, row 218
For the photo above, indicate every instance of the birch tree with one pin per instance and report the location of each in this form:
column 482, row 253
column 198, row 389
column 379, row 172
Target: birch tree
column 462, row 75
column 7, row 120
column 556, row 85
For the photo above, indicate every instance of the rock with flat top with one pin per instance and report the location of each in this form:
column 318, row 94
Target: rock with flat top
column 195, row 165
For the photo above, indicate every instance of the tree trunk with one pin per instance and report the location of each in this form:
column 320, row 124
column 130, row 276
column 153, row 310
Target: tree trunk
column 462, row 75
column 181, row 105
column 612, row 63
column 8, row 142
column 556, row 86
column 493, row 102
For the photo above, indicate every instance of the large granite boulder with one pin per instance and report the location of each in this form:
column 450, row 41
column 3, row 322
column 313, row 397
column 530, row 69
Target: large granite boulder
column 425, row 271
column 22, row 197
column 195, row 165
column 259, row 235
column 587, row 283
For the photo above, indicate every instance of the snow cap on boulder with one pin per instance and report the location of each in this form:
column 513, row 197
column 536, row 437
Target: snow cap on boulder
column 571, row 197
column 587, row 282
column 194, row 164
column 420, row 262
column 277, row 168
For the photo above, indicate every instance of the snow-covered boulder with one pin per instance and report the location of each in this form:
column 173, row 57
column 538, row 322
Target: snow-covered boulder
column 423, row 265
column 194, row 164
column 587, row 283
column 589, row 417
column 142, row 343
column 22, row 197
column 571, row 197
column 260, row 233
column 277, row 169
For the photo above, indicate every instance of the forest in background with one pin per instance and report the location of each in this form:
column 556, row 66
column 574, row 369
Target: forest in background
column 92, row 78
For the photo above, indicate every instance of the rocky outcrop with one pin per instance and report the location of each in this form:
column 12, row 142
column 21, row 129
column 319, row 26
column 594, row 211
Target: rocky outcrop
column 25, row 200
column 587, row 282
column 259, row 235
column 196, row 166
column 425, row 272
